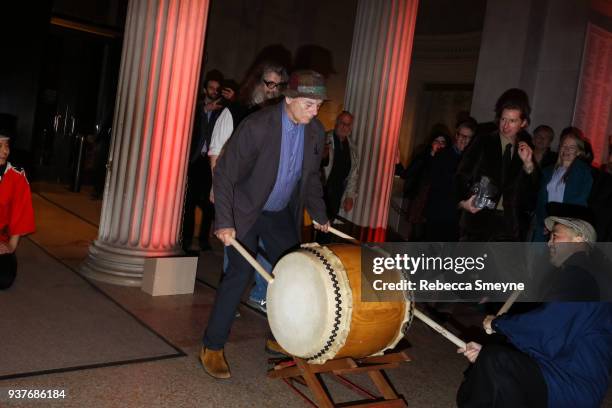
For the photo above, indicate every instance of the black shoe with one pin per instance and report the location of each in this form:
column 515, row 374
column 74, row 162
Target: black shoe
column 190, row 252
column 259, row 305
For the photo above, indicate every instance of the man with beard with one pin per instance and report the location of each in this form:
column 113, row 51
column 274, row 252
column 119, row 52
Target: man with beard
column 264, row 83
column 199, row 177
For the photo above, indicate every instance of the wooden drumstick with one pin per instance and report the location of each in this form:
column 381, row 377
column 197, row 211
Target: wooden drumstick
column 449, row 336
column 339, row 233
column 260, row 270
column 506, row 306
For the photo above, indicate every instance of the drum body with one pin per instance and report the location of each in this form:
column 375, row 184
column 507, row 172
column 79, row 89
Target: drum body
column 316, row 312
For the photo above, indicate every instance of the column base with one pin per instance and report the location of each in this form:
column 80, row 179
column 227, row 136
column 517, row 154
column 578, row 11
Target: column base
column 119, row 266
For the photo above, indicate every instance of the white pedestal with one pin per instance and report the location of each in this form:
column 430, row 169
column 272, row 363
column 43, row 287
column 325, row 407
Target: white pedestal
column 169, row 276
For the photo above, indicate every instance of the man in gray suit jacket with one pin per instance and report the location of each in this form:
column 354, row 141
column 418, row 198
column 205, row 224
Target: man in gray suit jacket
column 267, row 174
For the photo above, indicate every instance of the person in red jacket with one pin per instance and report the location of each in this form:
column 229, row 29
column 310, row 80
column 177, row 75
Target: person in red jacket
column 16, row 213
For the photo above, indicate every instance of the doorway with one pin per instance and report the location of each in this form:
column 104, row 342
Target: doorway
column 75, row 106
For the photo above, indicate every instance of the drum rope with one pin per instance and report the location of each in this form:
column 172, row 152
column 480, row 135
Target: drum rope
column 338, row 303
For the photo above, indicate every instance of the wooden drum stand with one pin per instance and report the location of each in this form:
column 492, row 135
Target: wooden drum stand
column 297, row 370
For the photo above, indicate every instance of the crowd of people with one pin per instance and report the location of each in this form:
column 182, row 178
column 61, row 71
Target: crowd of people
column 490, row 182
column 219, row 112
column 259, row 158
column 453, row 177
column 510, row 187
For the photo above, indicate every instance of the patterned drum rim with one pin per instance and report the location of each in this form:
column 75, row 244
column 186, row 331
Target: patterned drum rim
column 343, row 302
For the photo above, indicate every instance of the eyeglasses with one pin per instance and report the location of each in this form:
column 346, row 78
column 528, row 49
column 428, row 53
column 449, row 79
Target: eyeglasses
column 569, row 148
column 463, row 136
column 273, row 85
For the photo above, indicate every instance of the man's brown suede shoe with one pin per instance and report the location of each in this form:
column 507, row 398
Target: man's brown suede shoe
column 214, row 363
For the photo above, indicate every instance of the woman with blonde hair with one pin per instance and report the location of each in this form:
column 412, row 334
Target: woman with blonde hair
column 568, row 181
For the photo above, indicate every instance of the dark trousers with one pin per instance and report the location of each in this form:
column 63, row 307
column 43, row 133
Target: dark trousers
column 278, row 233
column 489, row 226
column 333, row 199
column 8, row 270
column 199, row 182
column 441, row 231
column 503, row 377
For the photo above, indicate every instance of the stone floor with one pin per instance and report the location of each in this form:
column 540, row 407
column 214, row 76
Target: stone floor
column 67, row 223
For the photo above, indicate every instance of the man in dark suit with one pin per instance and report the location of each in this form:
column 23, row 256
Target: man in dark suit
column 199, row 176
column 502, row 164
column 266, row 175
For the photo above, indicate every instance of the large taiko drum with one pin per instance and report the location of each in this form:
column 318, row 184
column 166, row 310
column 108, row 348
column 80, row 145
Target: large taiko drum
column 316, row 312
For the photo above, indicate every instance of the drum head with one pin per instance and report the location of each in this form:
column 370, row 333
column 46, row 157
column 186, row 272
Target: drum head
column 309, row 303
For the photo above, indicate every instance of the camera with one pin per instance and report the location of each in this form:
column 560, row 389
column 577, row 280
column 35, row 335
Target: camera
column 486, row 193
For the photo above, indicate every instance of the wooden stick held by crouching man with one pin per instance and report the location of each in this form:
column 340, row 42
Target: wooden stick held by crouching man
column 552, row 348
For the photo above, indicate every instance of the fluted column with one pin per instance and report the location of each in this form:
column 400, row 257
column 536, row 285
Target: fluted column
column 376, row 90
column 144, row 191
column 593, row 106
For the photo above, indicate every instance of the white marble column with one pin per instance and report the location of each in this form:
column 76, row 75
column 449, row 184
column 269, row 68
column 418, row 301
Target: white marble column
column 536, row 46
column 593, row 106
column 144, row 191
column 376, row 90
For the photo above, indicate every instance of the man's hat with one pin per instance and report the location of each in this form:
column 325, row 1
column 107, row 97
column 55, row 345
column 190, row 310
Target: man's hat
column 580, row 227
column 4, row 134
column 577, row 217
column 306, row 84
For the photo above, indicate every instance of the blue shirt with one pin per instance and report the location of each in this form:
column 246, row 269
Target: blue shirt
column 290, row 165
column 556, row 185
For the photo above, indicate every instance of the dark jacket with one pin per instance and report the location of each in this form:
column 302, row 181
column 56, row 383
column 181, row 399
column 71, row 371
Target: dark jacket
column 484, row 158
column 247, row 168
column 577, row 190
column 572, row 344
column 202, row 132
column 548, row 159
column 416, row 174
column 600, row 202
column 441, row 205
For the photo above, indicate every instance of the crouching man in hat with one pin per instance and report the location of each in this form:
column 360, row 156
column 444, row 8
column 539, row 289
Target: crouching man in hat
column 559, row 354
column 266, row 175
column 16, row 213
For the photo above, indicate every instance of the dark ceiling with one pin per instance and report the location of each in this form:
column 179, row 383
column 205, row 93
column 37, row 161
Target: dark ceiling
column 437, row 17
